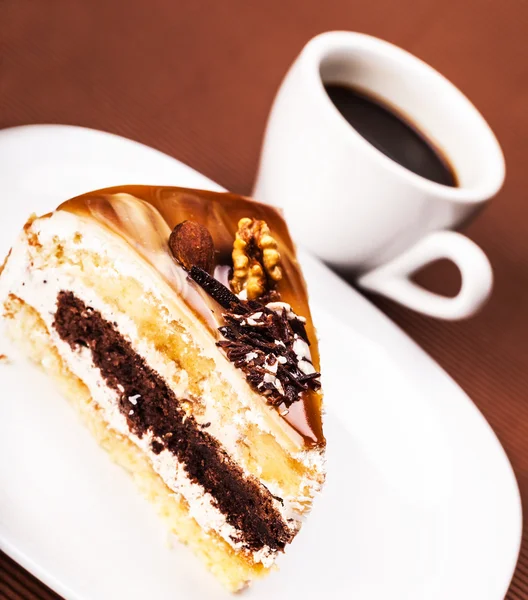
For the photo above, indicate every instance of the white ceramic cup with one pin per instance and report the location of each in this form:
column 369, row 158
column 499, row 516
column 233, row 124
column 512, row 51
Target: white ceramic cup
column 356, row 208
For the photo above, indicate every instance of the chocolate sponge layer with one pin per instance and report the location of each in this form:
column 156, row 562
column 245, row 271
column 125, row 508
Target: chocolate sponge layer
column 247, row 505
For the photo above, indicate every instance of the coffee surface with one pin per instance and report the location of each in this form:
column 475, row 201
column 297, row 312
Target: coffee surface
column 392, row 133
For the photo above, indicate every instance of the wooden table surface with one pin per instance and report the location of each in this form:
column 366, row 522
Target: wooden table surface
column 196, row 79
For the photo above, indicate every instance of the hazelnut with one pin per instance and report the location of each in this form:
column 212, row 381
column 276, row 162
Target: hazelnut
column 191, row 245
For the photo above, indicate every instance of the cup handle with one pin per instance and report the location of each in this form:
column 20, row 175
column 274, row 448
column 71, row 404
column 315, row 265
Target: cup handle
column 392, row 279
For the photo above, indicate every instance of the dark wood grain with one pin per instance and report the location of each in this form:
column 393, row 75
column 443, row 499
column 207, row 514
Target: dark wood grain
column 196, row 78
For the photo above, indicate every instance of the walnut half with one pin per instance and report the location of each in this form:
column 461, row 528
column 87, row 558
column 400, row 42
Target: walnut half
column 256, row 259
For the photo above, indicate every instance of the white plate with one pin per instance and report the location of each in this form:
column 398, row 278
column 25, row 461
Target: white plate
column 420, row 503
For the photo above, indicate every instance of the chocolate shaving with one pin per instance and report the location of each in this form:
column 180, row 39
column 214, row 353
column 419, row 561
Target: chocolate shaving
column 214, row 288
column 299, row 328
column 309, row 376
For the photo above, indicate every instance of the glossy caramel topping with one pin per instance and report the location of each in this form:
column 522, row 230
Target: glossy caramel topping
column 145, row 215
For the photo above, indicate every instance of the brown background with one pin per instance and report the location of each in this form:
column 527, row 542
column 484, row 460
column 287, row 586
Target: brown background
column 196, row 79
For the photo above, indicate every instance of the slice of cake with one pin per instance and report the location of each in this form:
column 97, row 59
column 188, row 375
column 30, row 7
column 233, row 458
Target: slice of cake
column 176, row 321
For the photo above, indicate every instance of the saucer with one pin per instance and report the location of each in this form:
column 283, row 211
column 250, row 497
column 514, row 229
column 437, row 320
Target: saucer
column 420, row 501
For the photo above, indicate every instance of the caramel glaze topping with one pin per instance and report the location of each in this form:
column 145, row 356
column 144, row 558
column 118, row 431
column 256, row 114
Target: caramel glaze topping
column 144, row 216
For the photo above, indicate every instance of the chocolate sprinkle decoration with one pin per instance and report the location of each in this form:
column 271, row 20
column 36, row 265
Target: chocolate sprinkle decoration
column 261, row 342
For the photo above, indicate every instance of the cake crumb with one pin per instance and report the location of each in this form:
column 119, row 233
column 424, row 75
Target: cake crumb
column 4, row 359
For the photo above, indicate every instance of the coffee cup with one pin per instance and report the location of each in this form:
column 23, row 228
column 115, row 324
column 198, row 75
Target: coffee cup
column 357, row 208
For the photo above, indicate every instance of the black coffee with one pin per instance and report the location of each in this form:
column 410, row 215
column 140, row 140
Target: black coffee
column 392, row 134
